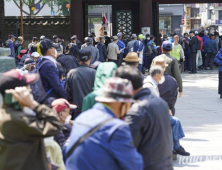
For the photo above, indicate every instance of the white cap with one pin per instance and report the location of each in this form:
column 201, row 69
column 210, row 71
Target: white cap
column 196, row 32
column 35, row 54
column 42, row 37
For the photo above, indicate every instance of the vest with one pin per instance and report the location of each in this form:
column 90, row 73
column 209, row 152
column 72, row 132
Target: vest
column 176, row 52
column 38, row 49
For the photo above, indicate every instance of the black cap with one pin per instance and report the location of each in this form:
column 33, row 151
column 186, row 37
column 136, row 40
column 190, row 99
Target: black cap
column 34, row 39
column 29, row 61
column 84, row 54
column 191, row 32
column 45, row 45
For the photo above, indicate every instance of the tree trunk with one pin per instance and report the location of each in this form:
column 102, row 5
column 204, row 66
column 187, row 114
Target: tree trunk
column 2, row 15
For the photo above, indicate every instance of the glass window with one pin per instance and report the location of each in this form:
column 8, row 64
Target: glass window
column 220, row 14
column 195, row 12
column 165, row 25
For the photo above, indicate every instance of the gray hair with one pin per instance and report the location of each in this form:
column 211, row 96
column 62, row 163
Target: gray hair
column 154, row 70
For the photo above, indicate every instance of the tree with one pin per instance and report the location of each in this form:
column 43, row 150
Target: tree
column 2, row 16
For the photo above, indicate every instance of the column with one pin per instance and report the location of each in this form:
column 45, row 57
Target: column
column 146, row 14
column 76, row 19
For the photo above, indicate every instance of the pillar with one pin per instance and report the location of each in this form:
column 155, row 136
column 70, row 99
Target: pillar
column 145, row 19
column 76, row 18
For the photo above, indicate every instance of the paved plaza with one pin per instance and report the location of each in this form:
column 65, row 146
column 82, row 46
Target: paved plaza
column 200, row 112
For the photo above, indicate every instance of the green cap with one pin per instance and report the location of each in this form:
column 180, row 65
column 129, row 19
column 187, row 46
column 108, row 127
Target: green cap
column 141, row 36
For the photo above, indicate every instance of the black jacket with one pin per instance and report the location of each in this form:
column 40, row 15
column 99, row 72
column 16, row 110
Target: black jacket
column 151, row 131
column 63, row 134
column 79, row 83
column 193, row 44
column 169, row 90
column 68, row 62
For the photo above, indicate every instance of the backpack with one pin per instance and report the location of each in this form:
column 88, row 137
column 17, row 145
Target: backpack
column 38, row 90
column 198, row 45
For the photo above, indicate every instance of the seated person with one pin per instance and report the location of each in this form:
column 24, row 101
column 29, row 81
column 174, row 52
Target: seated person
column 63, row 108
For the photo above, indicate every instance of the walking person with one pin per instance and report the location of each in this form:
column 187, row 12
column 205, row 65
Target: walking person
column 211, row 50
column 218, row 61
column 193, row 52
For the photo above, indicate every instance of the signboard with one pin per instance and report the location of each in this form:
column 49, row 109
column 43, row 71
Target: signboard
column 145, row 30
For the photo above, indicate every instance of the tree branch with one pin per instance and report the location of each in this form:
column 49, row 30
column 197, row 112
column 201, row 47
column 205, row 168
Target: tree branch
column 40, row 9
column 19, row 7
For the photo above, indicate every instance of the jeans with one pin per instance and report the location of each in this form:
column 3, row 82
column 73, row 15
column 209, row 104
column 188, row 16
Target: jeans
column 209, row 60
column 176, row 127
column 199, row 61
column 140, row 67
column 120, row 59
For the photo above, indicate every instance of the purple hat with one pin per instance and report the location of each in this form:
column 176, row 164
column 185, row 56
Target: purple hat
column 116, row 90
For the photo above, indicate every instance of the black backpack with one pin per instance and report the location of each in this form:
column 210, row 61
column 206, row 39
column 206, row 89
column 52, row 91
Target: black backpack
column 198, row 45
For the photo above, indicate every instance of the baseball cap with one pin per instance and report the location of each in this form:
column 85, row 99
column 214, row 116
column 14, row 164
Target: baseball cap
column 167, row 45
column 131, row 57
column 29, row 61
column 134, row 36
column 35, row 54
column 115, row 37
column 42, row 37
column 15, row 78
column 84, row 54
column 12, row 36
column 46, row 44
column 74, row 37
column 89, row 40
column 116, row 90
column 196, row 32
column 62, row 104
column 141, row 36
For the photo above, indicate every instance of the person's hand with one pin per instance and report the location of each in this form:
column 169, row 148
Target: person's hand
column 91, row 66
column 62, row 120
column 71, row 122
column 180, row 94
column 24, row 97
column 170, row 113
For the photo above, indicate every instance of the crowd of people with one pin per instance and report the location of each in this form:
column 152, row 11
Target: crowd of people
column 91, row 105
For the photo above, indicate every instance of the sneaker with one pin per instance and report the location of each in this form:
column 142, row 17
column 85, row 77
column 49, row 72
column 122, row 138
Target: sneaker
column 181, row 151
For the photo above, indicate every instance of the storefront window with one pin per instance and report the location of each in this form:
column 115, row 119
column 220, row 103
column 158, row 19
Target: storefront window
column 165, row 25
column 195, row 24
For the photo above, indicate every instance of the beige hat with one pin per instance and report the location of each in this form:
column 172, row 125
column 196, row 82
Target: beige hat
column 131, row 57
column 159, row 61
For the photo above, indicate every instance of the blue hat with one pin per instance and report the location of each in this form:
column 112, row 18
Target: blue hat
column 12, row 36
column 119, row 34
column 167, row 45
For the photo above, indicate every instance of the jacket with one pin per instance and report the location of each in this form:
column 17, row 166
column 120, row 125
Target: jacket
column 149, row 123
column 113, row 50
column 102, row 51
column 130, row 46
column 63, row 134
column 173, row 69
column 18, row 48
column 121, row 45
column 169, row 90
column 50, row 79
column 150, row 83
column 104, row 71
column 201, row 42
column 211, row 46
column 94, row 53
column 192, row 44
column 205, row 39
column 218, row 59
column 68, row 62
column 9, row 44
column 138, row 48
column 21, row 138
column 79, row 83
column 109, row 148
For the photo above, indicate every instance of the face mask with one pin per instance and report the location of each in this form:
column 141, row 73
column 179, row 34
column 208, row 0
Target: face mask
column 68, row 119
column 162, row 80
column 56, row 53
column 148, row 38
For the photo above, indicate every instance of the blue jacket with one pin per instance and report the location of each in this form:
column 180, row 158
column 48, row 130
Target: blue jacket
column 136, row 47
column 121, row 45
column 210, row 46
column 50, row 79
column 109, row 148
column 205, row 39
column 9, row 44
column 218, row 59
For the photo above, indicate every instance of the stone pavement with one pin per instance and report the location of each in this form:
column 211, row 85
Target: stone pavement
column 200, row 112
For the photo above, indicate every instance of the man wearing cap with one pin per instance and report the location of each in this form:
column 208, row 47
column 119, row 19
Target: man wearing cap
column 105, row 136
column 72, row 48
column 23, row 124
column 93, row 50
column 148, row 119
column 29, row 65
column 35, row 56
column 49, row 72
column 113, row 51
column 63, row 108
column 102, row 49
column 138, row 48
column 173, row 68
column 80, row 81
column 32, row 46
column 121, row 46
column 9, row 44
column 131, row 43
column 18, row 46
column 59, row 47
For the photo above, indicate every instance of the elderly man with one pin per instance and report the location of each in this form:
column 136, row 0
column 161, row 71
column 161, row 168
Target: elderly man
column 156, row 77
column 131, row 43
column 177, row 50
column 102, row 49
column 106, row 142
column 113, row 50
column 173, row 67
